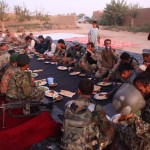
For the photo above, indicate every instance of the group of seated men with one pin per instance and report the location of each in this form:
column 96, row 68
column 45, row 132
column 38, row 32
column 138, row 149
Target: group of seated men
column 85, row 124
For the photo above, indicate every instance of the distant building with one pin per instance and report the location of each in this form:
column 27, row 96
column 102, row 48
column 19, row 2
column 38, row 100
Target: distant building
column 142, row 19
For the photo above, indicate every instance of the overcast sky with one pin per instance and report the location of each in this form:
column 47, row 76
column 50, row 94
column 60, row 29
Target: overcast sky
column 54, row 7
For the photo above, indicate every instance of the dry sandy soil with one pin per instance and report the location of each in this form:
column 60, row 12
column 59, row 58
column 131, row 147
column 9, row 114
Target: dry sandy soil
column 133, row 42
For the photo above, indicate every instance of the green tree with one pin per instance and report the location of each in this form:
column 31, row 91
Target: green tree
column 134, row 11
column 115, row 12
column 42, row 17
column 23, row 13
column 81, row 15
column 3, row 13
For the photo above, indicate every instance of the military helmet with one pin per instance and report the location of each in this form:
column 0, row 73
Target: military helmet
column 128, row 99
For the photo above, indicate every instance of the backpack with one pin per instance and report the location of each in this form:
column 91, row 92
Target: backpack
column 81, row 131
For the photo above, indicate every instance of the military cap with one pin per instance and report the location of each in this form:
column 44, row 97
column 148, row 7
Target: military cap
column 13, row 57
column 23, row 59
column 146, row 51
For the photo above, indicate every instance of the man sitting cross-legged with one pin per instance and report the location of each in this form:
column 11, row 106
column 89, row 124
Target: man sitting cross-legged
column 85, row 124
column 21, row 85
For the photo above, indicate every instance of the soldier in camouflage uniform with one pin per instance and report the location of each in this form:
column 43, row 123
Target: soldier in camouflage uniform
column 10, row 38
column 88, row 62
column 124, row 58
column 74, row 54
column 21, row 86
column 4, row 56
column 60, row 51
column 132, row 132
column 142, row 82
column 135, row 136
column 108, row 59
column 8, row 73
column 85, row 125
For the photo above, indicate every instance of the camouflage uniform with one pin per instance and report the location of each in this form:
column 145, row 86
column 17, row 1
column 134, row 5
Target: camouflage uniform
column 145, row 112
column 85, row 126
column 59, row 54
column 6, row 78
column 90, row 67
column 74, row 54
column 107, row 61
column 4, row 59
column 134, row 136
column 12, row 39
column 20, row 87
column 114, row 74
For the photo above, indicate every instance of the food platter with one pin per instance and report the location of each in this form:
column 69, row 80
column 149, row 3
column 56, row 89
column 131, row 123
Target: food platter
column 100, row 96
column 40, row 58
column 53, row 84
column 46, row 62
column 51, row 93
column 62, row 68
column 82, row 75
column 44, row 88
column 33, row 75
column 41, row 82
column 58, row 98
column 74, row 73
column 104, row 83
column 97, row 88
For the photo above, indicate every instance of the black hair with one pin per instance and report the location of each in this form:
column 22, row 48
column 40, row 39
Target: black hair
column 90, row 43
column 28, row 38
column 94, row 22
column 86, row 87
column 40, row 37
column 20, row 65
column 61, row 41
column 125, row 56
column 2, row 44
column 11, row 51
column 107, row 40
column 144, row 78
column 124, row 67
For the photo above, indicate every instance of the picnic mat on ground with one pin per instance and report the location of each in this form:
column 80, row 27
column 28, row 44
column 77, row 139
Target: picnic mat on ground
column 21, row 137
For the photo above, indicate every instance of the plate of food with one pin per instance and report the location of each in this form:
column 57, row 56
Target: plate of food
column 97, row 88
column 53, row 84
column 44, row 88
column 100, row 96
column 58, row 98
column 82, row 75
column 74, row 73
column 51, row 93
column 53, row 63
column 104, row 83
column 40, row 58
column 33, row 75
column 46, row 62
column 41, row 82
column 62, row 68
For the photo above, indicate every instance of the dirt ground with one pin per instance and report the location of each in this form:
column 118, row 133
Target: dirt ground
column 133, row 42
